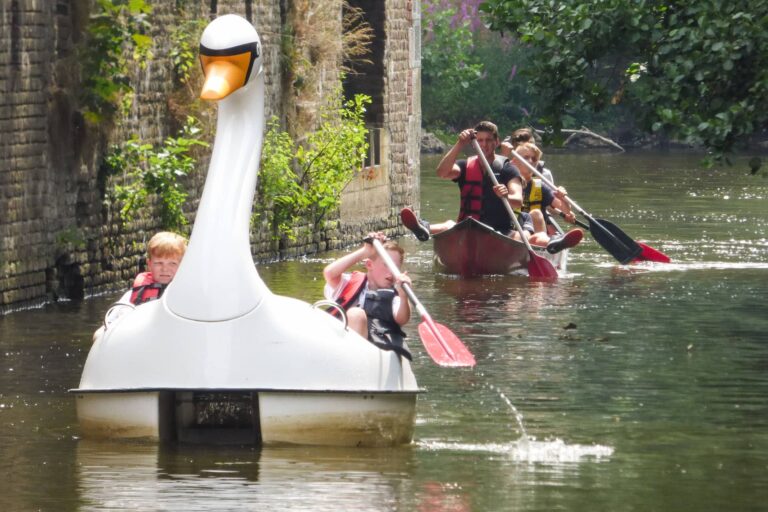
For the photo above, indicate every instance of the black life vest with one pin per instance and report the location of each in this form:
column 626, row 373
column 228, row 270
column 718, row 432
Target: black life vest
column 383, row 331
column 146, row 289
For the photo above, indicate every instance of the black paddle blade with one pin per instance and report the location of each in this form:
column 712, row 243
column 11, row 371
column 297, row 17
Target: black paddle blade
column 614, row 240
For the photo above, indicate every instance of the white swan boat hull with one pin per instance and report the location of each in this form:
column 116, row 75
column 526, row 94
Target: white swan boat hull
column 330, row 418
column 308, row 382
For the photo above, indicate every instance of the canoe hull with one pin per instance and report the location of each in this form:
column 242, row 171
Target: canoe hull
column 472, row 248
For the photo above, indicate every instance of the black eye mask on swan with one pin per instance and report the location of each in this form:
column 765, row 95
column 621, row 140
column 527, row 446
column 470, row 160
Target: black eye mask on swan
column 233, row 64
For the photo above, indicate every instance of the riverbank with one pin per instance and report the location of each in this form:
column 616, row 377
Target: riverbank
column 432, row 144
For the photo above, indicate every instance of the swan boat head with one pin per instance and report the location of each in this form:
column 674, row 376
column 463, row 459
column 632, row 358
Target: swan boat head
column 218, row 326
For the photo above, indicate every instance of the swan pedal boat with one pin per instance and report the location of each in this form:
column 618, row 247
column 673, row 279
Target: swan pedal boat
column 472, row 248
column 219, row 358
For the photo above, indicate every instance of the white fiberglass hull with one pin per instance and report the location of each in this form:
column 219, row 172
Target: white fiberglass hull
column 331, row 419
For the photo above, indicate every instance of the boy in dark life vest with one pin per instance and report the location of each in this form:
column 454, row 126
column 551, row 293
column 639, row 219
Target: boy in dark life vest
column 480, row 199
column 538, row 197
column 375, row 302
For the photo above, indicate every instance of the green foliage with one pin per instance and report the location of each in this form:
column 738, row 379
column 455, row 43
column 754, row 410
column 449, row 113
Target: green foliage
column 147, row 171
column 305, row 181
column 449, row 68
column 116, row 29
column 696, row 71
column 185, row 39
column 277, row 183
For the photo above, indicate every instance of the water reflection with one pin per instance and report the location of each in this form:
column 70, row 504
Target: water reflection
column 121, row 476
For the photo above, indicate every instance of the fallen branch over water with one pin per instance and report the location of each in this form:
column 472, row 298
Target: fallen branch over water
column 584, row 131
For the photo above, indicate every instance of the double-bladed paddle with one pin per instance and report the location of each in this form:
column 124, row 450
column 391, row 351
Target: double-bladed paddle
column 444, row 347
column 647, row 253
column 538, row 267
column 620, row 245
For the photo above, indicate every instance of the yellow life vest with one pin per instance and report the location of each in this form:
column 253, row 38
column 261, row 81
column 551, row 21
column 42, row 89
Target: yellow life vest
column 533, row 199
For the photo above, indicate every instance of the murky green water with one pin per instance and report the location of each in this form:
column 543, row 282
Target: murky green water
column 657, row 400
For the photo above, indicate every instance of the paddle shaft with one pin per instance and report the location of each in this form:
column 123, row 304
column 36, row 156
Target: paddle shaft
column 396, row 271
column 551, row 185
column 412, row 296
column 579, row 223
column 495, row 182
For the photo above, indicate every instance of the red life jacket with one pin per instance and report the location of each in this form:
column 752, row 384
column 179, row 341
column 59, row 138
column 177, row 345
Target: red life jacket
column 351, row 292
column 145, row 289
column 472, row 190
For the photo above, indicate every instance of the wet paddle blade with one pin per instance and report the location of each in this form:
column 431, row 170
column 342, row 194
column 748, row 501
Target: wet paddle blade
column 540, row 268
column 443, row 346
column 619, row 244
column 650, row 254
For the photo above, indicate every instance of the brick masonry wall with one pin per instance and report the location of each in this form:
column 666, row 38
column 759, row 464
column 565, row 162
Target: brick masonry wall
column 375, row 198
column 58, row 238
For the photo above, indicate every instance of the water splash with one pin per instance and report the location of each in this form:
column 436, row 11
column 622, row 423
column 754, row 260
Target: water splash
column 557, row 450
column 517, row 414
column 527, row 448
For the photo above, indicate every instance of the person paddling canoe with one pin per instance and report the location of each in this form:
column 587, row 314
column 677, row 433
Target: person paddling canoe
column 479, row 197
column 538, row 197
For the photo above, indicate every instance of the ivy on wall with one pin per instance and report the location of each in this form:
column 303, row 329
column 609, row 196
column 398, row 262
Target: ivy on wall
column 116, row 36
column 148, row 170
column 300, row 181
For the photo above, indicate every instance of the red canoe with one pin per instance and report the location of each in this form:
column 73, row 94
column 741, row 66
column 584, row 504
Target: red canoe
column 471, row 248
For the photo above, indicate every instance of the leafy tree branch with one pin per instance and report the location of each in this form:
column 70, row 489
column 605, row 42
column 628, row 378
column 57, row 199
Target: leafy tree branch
column 305, row 180
column 695, row 71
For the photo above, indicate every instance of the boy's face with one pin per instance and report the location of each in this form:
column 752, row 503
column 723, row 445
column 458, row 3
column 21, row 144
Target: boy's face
column 164, row 268
column 379, row 275
column 488, row 143
column 530, row 157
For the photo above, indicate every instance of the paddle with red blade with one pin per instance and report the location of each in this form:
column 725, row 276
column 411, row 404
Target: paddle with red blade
column 619, row 244
column 647, row 252
column 444, row 347
column 538, row 267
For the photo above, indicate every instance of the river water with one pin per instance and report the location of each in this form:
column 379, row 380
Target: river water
column 616, row 389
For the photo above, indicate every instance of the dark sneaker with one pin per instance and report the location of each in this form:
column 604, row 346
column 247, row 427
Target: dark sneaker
column 419, row 227
column 566, row 241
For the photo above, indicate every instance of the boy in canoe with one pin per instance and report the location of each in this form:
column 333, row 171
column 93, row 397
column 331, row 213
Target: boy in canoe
column 520, row 136
column 538, row 197
column 375, row 301
column 479, row 198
